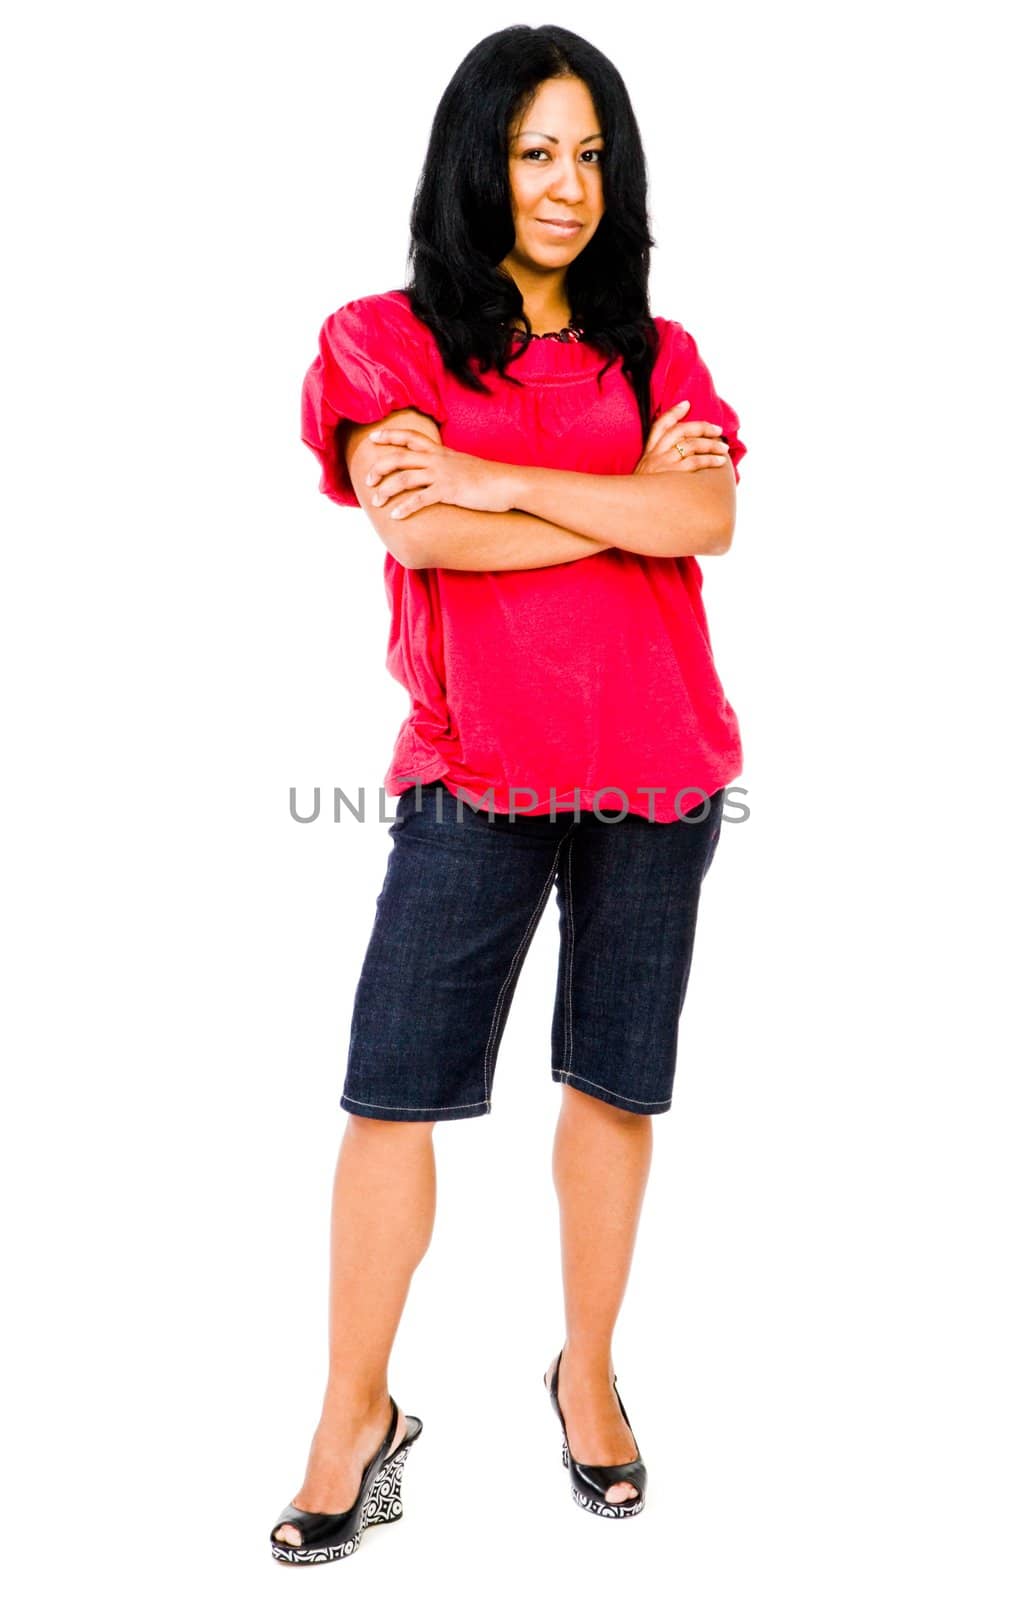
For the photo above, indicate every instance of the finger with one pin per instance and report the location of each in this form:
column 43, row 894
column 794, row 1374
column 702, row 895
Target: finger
column 397, row 483
column 667, row 420
column 684, row 448
column 677, row 415
column 414, row 502
column 693, row 463
column 686, row 431
column 698, row 430
column 391, row 460
column 397, row 435
column 683, row 444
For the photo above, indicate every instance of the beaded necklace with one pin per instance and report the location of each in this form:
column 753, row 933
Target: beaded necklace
column 571, row 334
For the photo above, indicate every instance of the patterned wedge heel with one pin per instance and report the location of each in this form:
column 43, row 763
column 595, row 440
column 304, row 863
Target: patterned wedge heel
column 329, row 1536
column 589, row 1484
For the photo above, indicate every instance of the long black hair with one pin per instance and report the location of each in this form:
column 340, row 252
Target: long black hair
column 462, row 226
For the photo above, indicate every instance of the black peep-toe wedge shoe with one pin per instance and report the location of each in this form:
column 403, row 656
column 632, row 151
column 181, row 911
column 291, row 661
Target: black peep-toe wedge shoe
column 589, row 1484
column 330, row 1535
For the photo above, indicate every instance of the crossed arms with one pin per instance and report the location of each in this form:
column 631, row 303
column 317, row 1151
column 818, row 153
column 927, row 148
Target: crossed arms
column 523, row 517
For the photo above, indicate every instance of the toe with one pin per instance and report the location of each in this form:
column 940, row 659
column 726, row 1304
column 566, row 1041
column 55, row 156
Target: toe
column 621, row 1491
column 286, row 1533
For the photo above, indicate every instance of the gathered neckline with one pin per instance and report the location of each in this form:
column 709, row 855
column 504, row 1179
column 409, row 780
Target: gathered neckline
column 556, row 361
column 572, row 333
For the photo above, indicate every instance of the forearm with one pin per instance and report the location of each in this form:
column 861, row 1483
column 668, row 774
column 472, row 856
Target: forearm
column 656, row 514
column 489, row 541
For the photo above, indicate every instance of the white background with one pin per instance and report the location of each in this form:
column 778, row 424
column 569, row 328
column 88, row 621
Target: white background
column 824, row 1348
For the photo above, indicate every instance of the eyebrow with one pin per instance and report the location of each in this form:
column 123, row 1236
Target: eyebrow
column 552, row 138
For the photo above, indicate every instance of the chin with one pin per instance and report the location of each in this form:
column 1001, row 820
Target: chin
column 567, row 248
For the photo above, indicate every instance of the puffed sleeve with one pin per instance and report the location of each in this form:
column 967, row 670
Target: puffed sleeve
column 681, row 374
column 374, row 357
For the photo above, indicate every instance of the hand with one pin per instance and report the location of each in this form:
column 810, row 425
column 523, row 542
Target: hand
column 425, row 473
column 701, row 442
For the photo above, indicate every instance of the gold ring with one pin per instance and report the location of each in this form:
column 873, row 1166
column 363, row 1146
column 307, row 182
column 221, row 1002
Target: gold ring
column 679, row 447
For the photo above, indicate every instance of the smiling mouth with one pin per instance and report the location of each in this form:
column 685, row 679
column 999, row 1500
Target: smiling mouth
column 560, row 226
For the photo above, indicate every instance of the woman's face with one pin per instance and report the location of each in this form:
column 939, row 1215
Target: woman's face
column 555, row 175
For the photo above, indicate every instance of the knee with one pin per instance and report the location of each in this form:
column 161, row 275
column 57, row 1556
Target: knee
column 577, row 1102
column 385, row 1128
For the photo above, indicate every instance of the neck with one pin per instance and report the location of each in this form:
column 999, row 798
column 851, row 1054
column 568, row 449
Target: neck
column 547, row 321
column 544, row 298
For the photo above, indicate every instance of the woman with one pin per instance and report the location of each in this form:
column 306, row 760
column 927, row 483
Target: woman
column 543, row 461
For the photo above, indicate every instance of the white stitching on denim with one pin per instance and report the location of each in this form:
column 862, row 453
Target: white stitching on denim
column 520, row 948
column 628, row 1097
column 382, row 1106
column 568, row 985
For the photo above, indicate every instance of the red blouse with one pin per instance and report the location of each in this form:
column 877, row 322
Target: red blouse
column 541, row 688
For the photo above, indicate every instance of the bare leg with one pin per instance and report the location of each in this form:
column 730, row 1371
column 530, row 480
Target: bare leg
column 384, row 1199
column 600, row 1165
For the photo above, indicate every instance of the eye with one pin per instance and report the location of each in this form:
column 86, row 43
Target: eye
column 528, row 153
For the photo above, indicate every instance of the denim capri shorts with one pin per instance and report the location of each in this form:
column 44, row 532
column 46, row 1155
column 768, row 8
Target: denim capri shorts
column 462, row 896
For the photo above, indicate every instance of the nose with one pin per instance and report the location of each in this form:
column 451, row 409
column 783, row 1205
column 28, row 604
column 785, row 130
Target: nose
column 567, row 183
